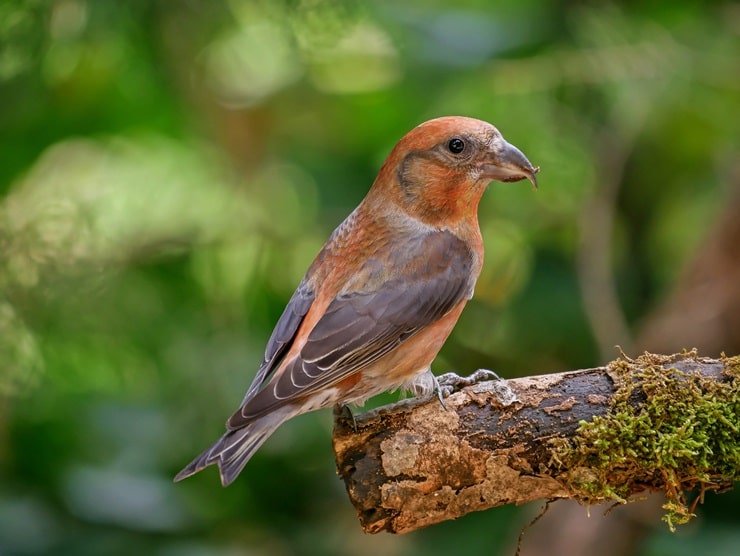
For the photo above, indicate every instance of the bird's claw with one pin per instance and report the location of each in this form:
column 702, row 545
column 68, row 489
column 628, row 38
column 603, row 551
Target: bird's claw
column 449, row 383
column 342, row 411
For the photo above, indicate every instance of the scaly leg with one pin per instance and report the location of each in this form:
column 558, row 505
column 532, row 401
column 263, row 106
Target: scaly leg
column 449, row 383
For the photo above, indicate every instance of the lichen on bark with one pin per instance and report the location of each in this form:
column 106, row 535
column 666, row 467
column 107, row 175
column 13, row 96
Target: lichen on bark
column 666, row 426
column 658, row 422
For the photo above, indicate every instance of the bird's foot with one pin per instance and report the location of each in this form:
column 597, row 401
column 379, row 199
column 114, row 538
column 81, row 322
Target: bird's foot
column 449, row 383
column 343, row 412
column 427, row 386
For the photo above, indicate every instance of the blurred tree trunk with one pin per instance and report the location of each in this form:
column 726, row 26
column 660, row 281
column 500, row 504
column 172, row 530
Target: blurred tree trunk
column 703, row 310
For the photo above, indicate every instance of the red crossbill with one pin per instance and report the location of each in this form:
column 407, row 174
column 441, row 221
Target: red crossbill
column 384, row 292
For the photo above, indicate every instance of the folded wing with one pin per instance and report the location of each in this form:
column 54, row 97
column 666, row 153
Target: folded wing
column 432, row 275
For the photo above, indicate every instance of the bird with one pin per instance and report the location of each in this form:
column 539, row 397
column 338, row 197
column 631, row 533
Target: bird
column 384, row 292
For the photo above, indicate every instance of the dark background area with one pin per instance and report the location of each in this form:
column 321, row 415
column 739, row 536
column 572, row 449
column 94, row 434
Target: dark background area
column 168, row 170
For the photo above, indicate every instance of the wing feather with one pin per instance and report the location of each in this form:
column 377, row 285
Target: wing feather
column 282, row 336
column 360, row 327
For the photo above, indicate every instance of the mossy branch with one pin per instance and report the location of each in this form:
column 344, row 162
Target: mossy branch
column 657, row 422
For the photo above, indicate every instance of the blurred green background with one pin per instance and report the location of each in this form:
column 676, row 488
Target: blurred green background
column 168, row 170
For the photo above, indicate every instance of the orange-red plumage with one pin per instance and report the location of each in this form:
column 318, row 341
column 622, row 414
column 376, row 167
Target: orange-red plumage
column 385, row 291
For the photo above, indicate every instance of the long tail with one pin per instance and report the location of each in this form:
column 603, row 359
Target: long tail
column 233, row 450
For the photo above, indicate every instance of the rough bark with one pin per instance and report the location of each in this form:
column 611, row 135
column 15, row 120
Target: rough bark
column 414, row 463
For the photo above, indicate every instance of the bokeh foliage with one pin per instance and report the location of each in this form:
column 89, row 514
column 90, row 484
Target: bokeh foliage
column 169, row 169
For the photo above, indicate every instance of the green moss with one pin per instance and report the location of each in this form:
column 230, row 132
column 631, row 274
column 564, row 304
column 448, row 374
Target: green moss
column 666, row 429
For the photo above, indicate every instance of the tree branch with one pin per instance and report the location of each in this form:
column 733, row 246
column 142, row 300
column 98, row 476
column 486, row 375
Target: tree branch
column 658, row 422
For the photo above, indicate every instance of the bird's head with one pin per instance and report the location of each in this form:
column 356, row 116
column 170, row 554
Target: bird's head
column 439, row 170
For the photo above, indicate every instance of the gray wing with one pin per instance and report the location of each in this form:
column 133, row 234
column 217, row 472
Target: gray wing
column 360, row 327
column 282, row 336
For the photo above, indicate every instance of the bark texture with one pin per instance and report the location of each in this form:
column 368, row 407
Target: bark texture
column 414, row 463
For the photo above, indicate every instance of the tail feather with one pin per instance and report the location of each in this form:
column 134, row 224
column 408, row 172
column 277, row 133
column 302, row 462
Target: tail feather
column 233, row 450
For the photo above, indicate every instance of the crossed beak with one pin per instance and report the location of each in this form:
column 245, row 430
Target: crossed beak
column 507, row 163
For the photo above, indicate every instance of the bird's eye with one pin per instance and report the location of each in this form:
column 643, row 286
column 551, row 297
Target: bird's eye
column 456, row 145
